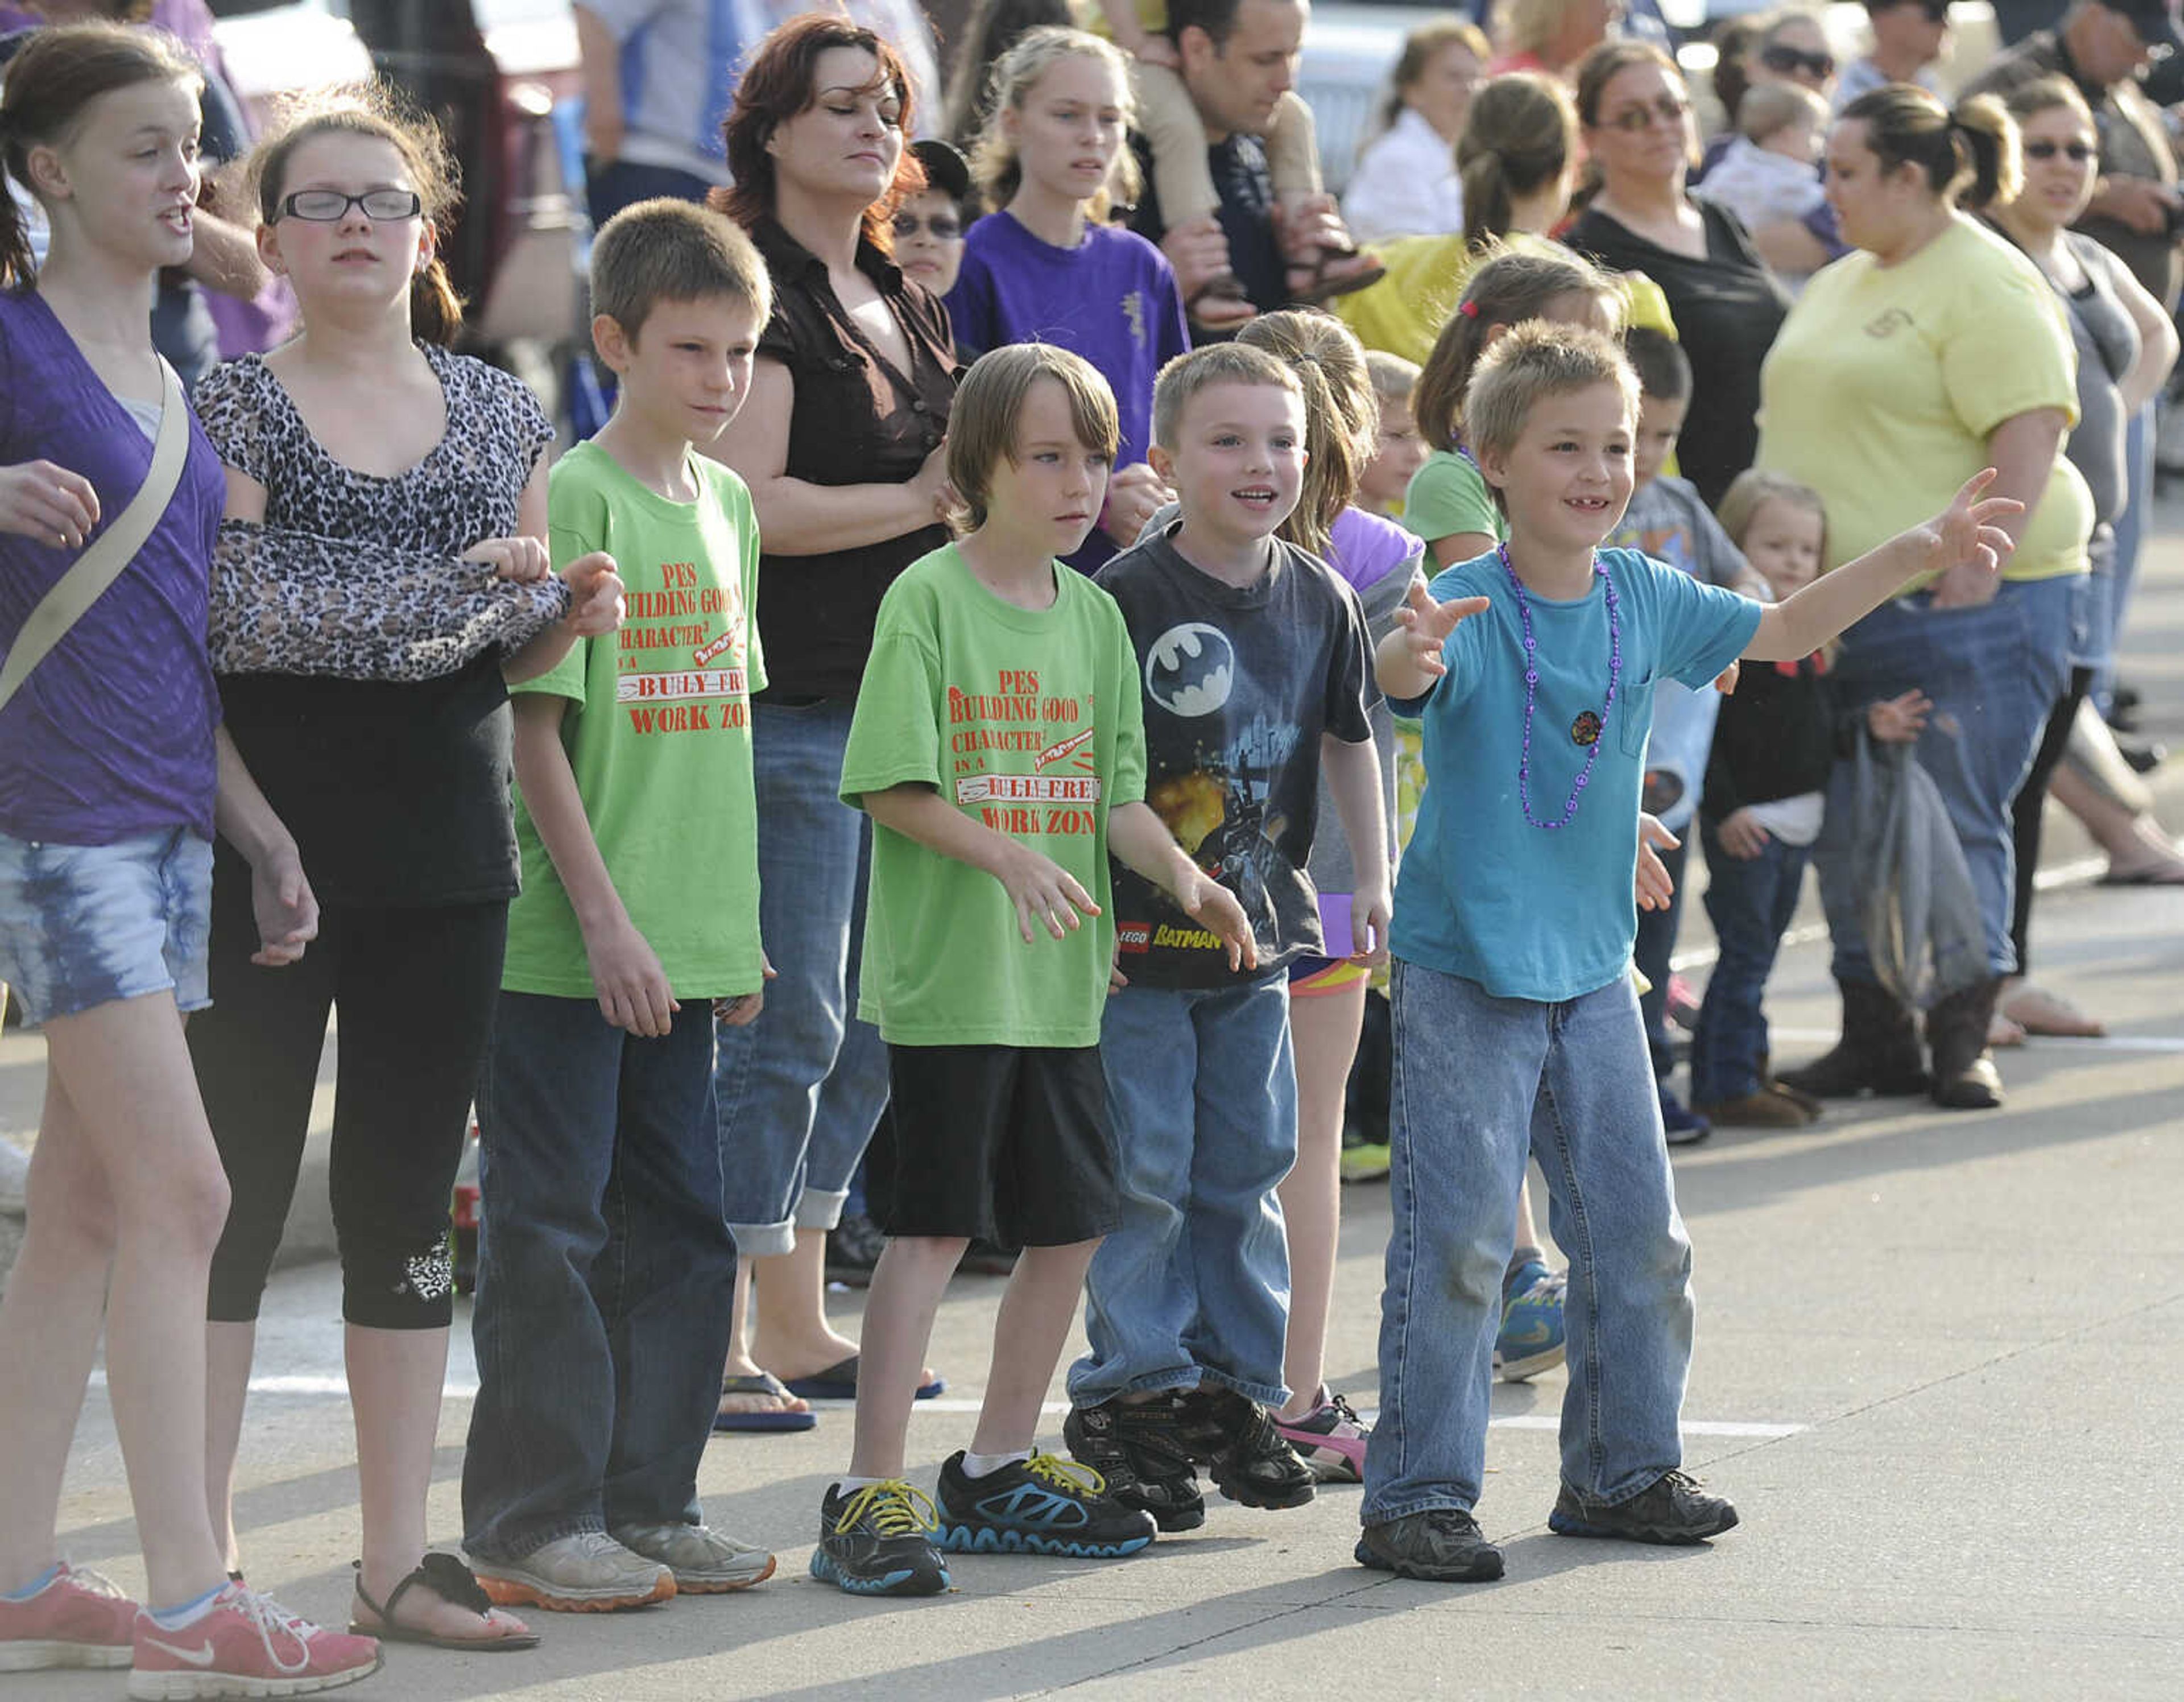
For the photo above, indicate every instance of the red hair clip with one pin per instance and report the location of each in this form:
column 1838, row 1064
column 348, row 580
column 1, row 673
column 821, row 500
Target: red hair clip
column 1469, row 310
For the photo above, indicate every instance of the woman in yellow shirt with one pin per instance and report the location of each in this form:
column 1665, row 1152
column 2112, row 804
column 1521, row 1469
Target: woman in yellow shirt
column 1933, row 349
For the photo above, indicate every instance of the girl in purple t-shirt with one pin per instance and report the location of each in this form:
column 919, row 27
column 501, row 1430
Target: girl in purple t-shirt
column 1048, row 269
column 108, row 763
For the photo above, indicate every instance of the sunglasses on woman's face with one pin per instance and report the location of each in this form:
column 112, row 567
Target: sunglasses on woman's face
column 943, row 228
column 1792, row 62
column 2077, row 153
column 1668, row 109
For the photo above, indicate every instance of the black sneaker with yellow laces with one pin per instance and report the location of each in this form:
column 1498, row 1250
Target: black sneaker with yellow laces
column 876, row 1540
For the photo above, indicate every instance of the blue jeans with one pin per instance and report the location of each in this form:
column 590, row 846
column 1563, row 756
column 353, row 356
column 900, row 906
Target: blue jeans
column 1195, row 1286
column 2130, row 537
column 606, row 1279
column 1571, row 1083
column 1751, row 900
column 1994, row 673
column 801, row 1089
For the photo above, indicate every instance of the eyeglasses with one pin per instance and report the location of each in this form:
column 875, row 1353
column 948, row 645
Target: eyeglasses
column 1669, row 109
column 1796, row 62
column 944, row 227
column 2077, row 153
column 330, row 206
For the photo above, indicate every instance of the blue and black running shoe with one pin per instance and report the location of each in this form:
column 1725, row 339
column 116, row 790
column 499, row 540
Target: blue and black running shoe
column 878, row 1541
column 1043, row 1505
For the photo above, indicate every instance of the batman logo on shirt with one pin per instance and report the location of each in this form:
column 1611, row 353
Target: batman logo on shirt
column 1190, row 670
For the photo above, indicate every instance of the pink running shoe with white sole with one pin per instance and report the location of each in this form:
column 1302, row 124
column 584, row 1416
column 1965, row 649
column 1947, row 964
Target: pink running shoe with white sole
column 79, row 1619
column 1330, row 1439
column 246, row 1644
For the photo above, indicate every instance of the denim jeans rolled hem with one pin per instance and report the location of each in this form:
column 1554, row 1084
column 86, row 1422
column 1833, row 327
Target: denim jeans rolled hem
column 1571, row 1083
column 1193, row 1283
column 606, row 1277
column 763, row 1240
column 1993, row 672
column 800, row 1091
column 821, row 1208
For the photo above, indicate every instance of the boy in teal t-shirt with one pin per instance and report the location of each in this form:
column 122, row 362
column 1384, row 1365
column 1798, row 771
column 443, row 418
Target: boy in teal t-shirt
column 998, row 747
column 607, row 1273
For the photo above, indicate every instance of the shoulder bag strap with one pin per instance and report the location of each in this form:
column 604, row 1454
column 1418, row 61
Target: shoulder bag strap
column 102, row 563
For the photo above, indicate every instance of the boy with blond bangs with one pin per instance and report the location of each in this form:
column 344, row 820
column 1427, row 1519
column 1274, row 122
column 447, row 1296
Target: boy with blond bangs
column 1533, row 669
column 998, row 748
column 607, row 1273
column 1253, row 657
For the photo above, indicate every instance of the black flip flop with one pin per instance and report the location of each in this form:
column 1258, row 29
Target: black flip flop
column 453, row 1582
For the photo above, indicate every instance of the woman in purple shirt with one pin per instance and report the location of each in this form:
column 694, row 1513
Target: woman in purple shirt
column 109, row 766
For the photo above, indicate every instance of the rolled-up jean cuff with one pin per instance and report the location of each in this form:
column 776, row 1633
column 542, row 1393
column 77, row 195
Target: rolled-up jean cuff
column 821, row 1208
column 763, row 1240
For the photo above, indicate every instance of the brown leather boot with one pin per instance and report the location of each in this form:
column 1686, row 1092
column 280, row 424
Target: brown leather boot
column 1878, row 1052
column 1964, row 1075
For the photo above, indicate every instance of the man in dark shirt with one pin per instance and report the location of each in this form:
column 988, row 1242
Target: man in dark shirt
column 1240, row 56
column 2101, row 46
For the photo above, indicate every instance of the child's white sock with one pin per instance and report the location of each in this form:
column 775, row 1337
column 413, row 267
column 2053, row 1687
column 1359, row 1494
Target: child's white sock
column 986, row 1465
column 849, row 1486
column 188, row 1614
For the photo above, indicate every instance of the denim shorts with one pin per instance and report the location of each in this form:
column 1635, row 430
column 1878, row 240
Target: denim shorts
column 85, row 925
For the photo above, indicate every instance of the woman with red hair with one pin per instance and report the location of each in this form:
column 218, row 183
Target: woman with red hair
column 840, row 444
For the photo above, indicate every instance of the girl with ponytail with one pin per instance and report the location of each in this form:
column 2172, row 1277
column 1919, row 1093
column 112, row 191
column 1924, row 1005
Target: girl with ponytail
column 112, row 777
column 383, row 573
column 1516, row 159
column 1381, row 561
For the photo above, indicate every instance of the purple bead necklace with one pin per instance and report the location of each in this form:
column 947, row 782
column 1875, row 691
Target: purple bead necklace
column 1589, row 729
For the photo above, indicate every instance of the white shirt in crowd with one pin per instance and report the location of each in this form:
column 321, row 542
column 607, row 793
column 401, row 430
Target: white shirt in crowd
column 1405, row 184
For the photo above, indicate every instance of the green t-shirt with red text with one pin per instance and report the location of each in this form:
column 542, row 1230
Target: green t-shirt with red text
column 1030, row 721
column 658, row 732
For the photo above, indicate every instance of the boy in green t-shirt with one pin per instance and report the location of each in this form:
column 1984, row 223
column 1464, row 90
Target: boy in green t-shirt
column 998, row 747
column 607, row 1273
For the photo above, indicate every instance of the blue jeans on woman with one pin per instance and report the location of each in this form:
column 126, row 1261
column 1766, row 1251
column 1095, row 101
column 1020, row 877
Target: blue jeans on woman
column 1993, row 672
column 1750, row 900
column 801, row 1089
column 606, row 1279
column 1481, row 1083
column 1195, row 1287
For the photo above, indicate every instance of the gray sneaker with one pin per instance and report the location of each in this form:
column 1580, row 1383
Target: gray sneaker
column 706, row 1562
column 589, row 1572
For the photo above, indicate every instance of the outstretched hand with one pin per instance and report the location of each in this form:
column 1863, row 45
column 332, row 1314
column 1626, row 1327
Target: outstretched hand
column 1427, row 624
column 1968, row 545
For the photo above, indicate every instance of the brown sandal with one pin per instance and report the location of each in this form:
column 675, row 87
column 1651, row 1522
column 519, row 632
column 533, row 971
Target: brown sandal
column 1221, row 304
column 454, row 1583
column 1321, row 284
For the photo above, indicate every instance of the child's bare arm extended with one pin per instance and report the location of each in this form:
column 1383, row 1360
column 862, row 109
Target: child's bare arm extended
column 632, row 988
column 1353, row 781
column 1137, row 835
column 1408, row 659
column 1041, row 890
column 1967, row 532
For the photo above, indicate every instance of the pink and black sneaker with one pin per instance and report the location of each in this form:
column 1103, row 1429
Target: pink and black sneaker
column 245, row 1645
column 76, row 1619
column 1330, row 1439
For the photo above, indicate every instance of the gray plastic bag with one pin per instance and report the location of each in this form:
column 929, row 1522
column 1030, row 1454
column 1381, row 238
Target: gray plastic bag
column 1915, row 902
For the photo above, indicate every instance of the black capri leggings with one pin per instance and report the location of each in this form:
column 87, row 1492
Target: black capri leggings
column 415, row 988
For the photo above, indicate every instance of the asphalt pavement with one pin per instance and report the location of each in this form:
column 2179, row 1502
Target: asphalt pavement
column 1940, row 1366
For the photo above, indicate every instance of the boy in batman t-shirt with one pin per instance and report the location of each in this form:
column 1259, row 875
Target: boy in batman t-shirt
column 1257, row 673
